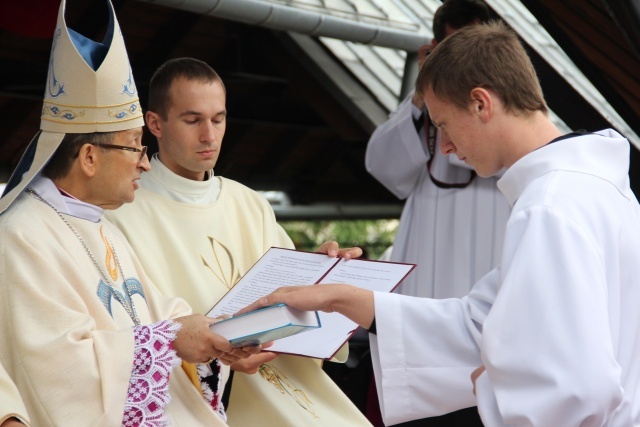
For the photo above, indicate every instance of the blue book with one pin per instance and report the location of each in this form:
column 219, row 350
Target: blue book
column 266, row 324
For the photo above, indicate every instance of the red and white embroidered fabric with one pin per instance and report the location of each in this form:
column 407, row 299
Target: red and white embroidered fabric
column 154, row 359
column 211, row 385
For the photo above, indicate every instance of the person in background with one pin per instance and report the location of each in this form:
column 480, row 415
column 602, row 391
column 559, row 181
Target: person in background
column 551, row 336
column 86, row 337
column 198, row 233
column 450, row 213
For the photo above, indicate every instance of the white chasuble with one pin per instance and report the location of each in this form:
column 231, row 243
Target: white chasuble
column 72, row 294
column 198, row 252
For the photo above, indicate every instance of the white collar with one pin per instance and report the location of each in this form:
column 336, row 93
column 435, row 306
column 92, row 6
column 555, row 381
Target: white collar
column 62, row 203
column 604, row 154
column 162, row 181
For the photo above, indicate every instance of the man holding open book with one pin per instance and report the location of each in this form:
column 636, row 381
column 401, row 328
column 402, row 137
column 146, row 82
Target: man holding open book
column 197, row 234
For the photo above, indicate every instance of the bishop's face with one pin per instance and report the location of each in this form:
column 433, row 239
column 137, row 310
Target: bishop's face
column 191, row 136
column 119, row 170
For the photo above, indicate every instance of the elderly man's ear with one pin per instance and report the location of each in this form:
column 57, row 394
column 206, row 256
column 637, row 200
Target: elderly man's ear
column 88, row 159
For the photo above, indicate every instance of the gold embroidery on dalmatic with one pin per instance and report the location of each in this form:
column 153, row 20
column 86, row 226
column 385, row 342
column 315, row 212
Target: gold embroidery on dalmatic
column 110, row 259
column 230, row 275
column 280, row 381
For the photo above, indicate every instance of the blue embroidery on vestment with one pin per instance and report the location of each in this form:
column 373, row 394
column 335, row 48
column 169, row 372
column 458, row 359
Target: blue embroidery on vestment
column 130, row 85
column 130, row 287
column 53, row 81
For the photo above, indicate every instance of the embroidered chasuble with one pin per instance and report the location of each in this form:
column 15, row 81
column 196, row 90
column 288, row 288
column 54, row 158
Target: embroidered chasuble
column 198, row 252
column 69, row 338
column 10, row 403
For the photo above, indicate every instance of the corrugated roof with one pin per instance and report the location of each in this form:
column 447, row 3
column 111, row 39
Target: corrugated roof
column 301, row 111
column 381, row 69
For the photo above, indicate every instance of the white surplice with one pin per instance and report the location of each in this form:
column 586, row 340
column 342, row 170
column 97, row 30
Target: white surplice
column 437, row 224
column 557, row 325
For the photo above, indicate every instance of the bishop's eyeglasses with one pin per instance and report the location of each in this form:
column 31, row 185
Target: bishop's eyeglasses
column 142, row 151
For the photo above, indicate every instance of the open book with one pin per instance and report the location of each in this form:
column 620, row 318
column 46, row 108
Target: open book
column 287, row 267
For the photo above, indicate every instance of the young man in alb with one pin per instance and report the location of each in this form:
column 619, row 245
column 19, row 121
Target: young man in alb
column 551, row 337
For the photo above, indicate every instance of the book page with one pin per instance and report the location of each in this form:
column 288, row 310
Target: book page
column 373, row 275
column 335, row 329
column 278, row 267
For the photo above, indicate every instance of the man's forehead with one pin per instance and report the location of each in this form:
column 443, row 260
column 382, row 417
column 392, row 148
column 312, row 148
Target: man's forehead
column 430, row 98
column 186, row 106
column 182, row 83
column 135, row 133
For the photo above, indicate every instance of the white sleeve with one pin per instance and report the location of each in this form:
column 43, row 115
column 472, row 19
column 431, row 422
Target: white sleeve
column 395, row 154
column 425, row 351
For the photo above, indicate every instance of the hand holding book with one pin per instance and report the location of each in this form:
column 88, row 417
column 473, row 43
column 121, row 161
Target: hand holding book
column 285, row 267
column 351, row 302
column 265, row 324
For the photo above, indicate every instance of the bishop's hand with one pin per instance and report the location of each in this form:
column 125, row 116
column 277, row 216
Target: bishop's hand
column 195, row 343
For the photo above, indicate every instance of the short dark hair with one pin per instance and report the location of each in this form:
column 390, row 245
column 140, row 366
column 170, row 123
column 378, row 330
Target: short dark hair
column 160, row 84
column 458, row 14
column 60, row 163
column 488, row 56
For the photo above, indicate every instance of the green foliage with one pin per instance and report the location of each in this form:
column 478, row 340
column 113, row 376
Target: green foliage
column 373, row 236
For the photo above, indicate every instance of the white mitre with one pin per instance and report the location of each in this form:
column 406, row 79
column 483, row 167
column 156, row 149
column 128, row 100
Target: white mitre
column 89, row 88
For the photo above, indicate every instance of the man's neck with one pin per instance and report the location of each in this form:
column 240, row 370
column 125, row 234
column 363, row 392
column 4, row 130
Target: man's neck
column 163, row 181
column 69, row 187
column 81, row 188
column 529, row 134
column 65, row 202
column 194, row 176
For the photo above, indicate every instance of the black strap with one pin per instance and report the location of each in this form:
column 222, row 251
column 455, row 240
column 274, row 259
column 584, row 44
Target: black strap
column 579, row 132
column 431, row 146
column 419, row 122
column 574, row 134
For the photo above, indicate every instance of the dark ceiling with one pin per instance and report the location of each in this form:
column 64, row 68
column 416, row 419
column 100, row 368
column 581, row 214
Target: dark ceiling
column 288, row 128
column 285, row 131
column 602, row 37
